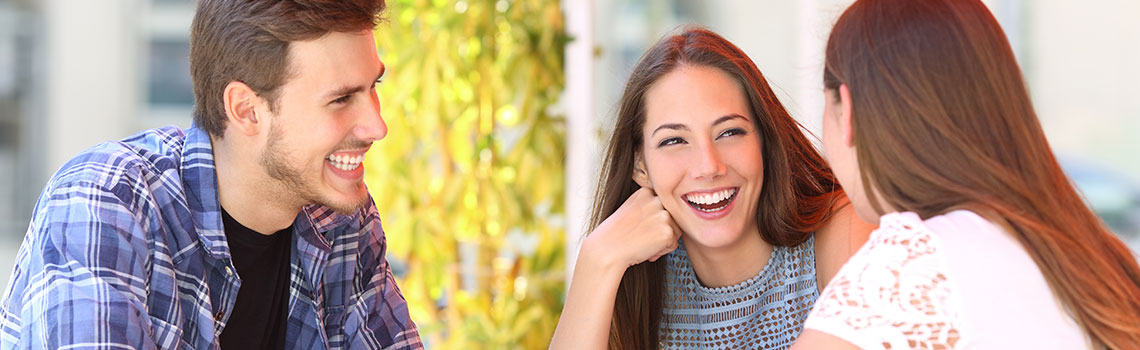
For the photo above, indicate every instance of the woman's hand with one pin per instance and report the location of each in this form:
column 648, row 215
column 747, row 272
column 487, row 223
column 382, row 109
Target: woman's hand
column 639, row 230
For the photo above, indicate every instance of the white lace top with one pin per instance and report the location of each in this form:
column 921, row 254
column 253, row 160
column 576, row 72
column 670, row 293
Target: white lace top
column 954, row 281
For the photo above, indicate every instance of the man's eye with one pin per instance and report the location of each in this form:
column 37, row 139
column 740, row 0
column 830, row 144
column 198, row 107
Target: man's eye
column 670, row 141
column 342, row 99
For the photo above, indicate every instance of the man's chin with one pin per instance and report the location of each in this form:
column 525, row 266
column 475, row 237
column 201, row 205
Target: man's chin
column 347, row 205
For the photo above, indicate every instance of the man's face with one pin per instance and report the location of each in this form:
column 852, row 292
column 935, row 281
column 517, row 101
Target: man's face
column 327, row 117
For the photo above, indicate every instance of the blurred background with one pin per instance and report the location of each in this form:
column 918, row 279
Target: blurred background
column 497, row 109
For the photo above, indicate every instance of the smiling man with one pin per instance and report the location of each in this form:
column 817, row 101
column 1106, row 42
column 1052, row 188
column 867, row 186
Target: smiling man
column 253, row 229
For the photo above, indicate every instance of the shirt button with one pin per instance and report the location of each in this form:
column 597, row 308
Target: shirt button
column 229, row 271
column 219, row 315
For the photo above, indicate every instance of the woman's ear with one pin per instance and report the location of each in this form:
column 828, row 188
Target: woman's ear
column 845, row 116
column 240, row 102
column 640, row 174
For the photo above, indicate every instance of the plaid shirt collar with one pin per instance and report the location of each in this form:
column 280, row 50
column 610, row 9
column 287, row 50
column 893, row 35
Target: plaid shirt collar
column 199, row 177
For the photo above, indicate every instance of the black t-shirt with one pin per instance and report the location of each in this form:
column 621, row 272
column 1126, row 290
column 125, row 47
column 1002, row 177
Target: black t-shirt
column 262, row 306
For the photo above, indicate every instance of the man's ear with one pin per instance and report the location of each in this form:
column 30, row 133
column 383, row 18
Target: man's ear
column 640, row 174
column 845, row 116
column 240, row 102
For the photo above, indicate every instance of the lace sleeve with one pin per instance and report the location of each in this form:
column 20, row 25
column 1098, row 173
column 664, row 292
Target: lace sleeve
column 892, row 294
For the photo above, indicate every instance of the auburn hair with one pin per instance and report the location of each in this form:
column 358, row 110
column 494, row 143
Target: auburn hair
column 797, row 196
column 942, row 120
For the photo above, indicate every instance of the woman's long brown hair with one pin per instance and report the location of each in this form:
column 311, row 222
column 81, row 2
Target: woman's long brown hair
column 942, row 120
column 798, row 193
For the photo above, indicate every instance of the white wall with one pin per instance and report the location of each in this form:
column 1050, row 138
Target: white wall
column 90, row 78
column 1083, row 65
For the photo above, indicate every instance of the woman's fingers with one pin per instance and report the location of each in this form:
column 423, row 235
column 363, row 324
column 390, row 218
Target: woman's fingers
column 641, row 229
column 669, row 234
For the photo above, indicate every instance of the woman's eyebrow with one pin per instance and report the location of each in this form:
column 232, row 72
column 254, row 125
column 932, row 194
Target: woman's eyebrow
column 672, row 126
column 728, row 117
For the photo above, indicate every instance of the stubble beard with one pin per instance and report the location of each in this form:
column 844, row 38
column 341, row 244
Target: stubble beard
column 291, row 185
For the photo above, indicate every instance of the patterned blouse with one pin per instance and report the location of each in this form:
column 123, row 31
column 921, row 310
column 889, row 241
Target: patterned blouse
column 766, row 311
column 952, row 281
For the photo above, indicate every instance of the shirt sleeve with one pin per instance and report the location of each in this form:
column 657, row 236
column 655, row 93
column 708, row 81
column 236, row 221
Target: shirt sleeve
column 79, row 279
column 393, row 312
column 892, row 294
column 388, row 321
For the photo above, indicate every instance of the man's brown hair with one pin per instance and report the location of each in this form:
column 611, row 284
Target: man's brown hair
column 248, row 41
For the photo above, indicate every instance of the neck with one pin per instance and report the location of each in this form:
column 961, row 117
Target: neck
column 731, row 264
column 246, row 192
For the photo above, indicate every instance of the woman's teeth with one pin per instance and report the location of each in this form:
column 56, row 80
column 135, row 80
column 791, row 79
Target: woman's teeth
column 709, row 202
column 345, row 163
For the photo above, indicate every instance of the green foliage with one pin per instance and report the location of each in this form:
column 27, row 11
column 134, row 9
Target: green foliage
column 470, row 180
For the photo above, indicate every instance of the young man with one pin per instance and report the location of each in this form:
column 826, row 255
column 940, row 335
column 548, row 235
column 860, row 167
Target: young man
column 252, row 229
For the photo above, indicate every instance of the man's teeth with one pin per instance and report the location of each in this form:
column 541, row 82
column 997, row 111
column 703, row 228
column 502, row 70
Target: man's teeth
column 345, row 163
column 710, row 198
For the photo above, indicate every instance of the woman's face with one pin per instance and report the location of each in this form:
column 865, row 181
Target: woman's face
column 702, row 154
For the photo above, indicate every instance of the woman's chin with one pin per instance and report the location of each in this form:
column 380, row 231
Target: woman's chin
column 713, row 238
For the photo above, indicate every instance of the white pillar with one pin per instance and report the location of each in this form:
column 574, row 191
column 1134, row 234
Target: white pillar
column 90, row 76
column 581, row 138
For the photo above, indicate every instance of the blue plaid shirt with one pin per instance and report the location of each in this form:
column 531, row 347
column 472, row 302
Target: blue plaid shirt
column 126, row 251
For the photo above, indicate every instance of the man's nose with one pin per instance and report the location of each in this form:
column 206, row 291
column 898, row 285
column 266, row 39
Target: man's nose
column 371, row 126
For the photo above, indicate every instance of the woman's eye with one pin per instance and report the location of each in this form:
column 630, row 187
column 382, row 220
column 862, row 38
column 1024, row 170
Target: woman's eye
column 342, row 99
column 670, row 141
column 732, row 132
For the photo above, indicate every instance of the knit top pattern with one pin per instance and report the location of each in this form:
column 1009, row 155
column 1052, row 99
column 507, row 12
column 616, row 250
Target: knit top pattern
column 766, row 311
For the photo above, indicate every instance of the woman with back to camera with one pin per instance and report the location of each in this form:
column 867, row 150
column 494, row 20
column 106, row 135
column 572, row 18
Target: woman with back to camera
column 983, row 243
column 703, row 150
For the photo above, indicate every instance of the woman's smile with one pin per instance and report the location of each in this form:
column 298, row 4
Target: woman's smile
column 711, row 204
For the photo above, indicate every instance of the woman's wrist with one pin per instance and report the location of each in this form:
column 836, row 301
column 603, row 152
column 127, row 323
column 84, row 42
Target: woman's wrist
column 599, row 262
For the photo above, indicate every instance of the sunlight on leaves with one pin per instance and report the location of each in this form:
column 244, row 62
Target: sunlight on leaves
column 470, row 179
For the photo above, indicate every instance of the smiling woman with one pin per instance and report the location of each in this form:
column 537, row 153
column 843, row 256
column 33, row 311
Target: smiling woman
column 702, row 151
column 716, row 220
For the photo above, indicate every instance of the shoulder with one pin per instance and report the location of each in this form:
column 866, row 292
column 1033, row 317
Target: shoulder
column 837, row 240
column 103, row 194
column 894, row 289
column 901, row 240
column 124, row 166
column 96, row 217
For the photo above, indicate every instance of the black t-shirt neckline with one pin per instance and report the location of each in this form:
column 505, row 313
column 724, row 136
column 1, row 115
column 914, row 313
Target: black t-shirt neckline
column 258, row 319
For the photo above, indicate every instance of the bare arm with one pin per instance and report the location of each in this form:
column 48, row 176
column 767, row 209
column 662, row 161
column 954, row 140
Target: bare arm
column 837, row 240
column 586, row 317
column 638, row 231
column 813, row 339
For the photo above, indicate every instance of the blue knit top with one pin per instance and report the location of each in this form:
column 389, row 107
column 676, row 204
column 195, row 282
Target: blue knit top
column 766, row 311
